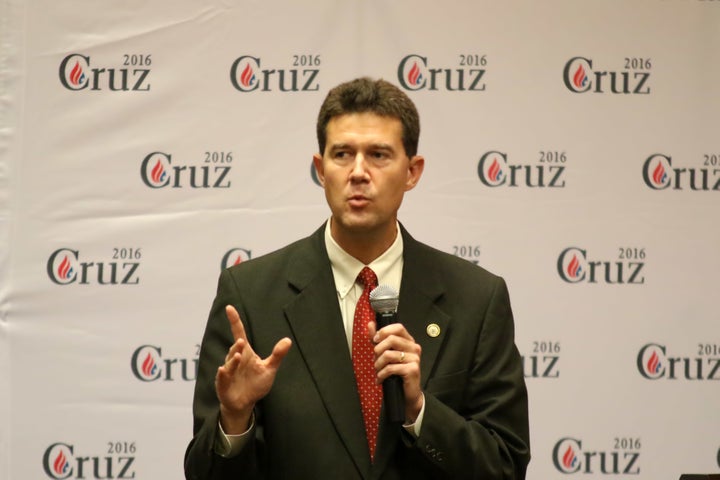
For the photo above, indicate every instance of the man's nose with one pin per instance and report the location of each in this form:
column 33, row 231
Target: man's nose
column 359, row 166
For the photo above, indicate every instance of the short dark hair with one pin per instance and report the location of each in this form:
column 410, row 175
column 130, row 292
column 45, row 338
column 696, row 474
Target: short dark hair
column 375, row 96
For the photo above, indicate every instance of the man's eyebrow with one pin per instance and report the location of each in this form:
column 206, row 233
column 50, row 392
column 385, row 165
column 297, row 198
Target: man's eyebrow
column 339, row 146
column 373, row 146
column 381, row 146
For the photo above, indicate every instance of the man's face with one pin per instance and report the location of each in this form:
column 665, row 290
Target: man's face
column 365, row 172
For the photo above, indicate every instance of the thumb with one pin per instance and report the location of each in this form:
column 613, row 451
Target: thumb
column 372, row 330
column 280, row 350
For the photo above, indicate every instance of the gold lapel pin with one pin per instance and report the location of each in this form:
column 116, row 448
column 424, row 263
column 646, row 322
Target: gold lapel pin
column 433, row 330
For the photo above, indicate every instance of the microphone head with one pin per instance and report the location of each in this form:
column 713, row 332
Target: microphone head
column 384, row 299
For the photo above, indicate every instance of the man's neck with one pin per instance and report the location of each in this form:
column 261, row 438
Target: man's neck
column 366, row 246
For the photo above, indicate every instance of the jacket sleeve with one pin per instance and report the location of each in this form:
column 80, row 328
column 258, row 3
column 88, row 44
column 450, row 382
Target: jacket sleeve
column 201, row 461
column 487, row 437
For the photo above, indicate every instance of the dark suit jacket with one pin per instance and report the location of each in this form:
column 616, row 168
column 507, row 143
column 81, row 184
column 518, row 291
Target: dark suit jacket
column 310, row 426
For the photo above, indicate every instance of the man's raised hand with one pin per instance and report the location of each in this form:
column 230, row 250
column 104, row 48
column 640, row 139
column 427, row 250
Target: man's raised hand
column 244, row 378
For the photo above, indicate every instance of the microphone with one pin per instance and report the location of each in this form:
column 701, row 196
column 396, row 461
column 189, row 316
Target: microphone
column 384, row 300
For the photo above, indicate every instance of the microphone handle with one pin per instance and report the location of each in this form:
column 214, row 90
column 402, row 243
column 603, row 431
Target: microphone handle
column 393, row 395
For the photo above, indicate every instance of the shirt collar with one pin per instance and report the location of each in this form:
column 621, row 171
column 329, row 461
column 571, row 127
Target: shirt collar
column 346, row 268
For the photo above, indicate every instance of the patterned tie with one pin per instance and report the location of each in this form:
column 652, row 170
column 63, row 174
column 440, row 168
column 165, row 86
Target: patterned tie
column 363, row 360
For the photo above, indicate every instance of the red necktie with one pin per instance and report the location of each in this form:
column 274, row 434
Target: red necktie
column 363, row 360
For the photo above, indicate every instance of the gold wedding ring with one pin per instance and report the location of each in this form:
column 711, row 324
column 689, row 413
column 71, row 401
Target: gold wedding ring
column 402, row 357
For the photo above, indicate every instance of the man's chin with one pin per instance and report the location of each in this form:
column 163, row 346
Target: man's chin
column 359, row 227
column 365, row 224
column 358, row 223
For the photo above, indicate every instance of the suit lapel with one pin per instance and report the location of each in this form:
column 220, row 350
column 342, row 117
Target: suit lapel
column 315, row 319
column 417, row 310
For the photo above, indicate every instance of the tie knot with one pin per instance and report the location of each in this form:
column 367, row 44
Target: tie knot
column 367, row 277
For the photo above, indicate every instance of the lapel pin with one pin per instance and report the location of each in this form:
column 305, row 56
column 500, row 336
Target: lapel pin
column 433, row 330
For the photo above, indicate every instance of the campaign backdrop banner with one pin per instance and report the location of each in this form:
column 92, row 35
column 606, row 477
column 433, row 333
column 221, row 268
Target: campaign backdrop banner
column 571, row 147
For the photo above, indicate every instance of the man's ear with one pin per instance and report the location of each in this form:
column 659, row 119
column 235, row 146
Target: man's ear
column 317, row 162
column 415, row 170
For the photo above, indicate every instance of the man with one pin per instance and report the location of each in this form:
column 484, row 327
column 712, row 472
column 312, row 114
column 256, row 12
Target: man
column 281, row 392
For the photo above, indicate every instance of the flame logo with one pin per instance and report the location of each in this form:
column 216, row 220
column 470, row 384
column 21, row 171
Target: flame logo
column 580, row 78
column 414, row 75
column 77, row 76
column 247, row 77
column 659, row 175
column 65, row 269
column 148, row 366
column 157, row 174
column 653, row 363
column 494, row 172
column 61, row 464
column 573, row 268
column 569, row 459
column 235, row 256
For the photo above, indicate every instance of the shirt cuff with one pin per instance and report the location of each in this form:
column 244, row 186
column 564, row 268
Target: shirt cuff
column 228, row 446
column 414, row 428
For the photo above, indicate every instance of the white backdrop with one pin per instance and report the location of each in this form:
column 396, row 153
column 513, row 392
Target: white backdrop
column 571, row 147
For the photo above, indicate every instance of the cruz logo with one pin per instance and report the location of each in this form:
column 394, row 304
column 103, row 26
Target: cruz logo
column 157, row 170
column 580, row 76
column 77, row 73
column 60, row 462
column 65, row 267
column 247, row 75
column 494, row 170
column 570, row 457
column 659, row 174
column 149, row 365
column 574, row 266
column 415, row 73
column 654, row 363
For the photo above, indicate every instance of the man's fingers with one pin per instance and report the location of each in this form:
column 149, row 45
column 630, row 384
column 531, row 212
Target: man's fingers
column 236, row 325
column 280, row 350
column 224, row 376
column 230, row 365
column 237, row 347
column 394, row 329
column 234, row 362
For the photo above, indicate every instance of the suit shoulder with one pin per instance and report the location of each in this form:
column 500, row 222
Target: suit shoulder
column 452, row 265
column 270, row 262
